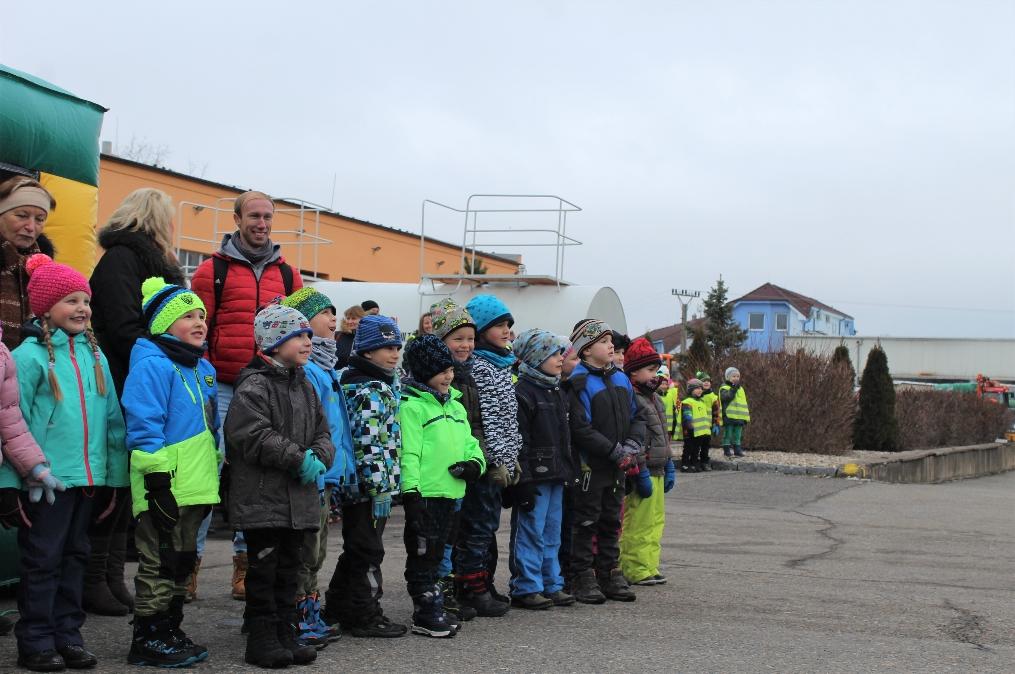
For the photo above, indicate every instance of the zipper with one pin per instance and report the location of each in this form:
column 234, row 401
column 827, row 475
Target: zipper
column 84, row 408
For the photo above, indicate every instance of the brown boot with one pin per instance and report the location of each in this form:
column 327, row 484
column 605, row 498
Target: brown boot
column 240, row 576
column 192, row 582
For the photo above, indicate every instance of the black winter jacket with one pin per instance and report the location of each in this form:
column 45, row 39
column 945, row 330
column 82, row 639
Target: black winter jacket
column 546, row 437
column 130, row 258
column 274, row 417
column 603, row 414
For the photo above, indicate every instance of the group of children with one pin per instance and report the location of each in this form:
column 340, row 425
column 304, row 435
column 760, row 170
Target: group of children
column 462, row 424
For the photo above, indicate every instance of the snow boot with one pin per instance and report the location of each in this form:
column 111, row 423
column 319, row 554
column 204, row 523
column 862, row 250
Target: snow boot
column 175, row 621
column 332, row 632
column 472, row 591
column 302, row 654
column 534, row 602
column 154, row 644
column 586, row 588
column 616, row 587
column 240, row 576
column 308, row 633
column 429, row 617
column 738, row 451
column 451, row 604
column 192, row 582
column 263, row 647
column 97, row 597
column 727, row 450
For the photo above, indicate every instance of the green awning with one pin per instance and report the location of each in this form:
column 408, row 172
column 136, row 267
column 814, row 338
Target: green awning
column 45, row 128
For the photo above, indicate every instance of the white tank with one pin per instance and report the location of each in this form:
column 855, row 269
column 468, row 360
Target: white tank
column 533, row 306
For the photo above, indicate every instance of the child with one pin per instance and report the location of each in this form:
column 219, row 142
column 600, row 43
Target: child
column 645, row 509
column 620, row 344
column 696, row 418
column 278, row 443
column 735, row 413
column 455, row 327
column 372, row 392
column 439, row 456
column 498, row 408
column 320, row 371
column 711, row 398
column 69, row 402
column 172, row 421
column 545, row 459
column 607, row 430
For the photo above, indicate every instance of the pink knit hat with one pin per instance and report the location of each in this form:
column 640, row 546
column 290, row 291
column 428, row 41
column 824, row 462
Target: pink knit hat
column 49, row 282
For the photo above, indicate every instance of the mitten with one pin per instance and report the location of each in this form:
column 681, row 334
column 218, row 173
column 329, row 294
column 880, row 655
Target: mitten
column 525, row 496
column 162, row 505
column 382, row 506
column 412, row 502
column 643, row 483
column 12, row 515
column 42, row 480
column 468, row 471
column 670, row 479
column 498, row 475
column 716, row 429
column 311, row 468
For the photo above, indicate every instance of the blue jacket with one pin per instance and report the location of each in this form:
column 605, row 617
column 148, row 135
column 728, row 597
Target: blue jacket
column 329, row 390
column 172, row 419
column 603, row 413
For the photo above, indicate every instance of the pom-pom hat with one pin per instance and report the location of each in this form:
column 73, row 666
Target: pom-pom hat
column 49, row 282
column 162, row 303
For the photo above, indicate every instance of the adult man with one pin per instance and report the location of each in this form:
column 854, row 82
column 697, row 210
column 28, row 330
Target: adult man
column 247, row 272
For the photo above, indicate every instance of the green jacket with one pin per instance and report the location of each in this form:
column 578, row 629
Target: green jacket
column 434, row 436
column 82, row 436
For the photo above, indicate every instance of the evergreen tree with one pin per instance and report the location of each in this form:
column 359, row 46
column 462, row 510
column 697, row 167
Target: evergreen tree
column 469, row 269
column 875, row 428
column 724, row 334
column 698, row 356
column 841, row 358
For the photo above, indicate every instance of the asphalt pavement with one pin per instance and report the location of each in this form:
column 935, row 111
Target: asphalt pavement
column 767, row 572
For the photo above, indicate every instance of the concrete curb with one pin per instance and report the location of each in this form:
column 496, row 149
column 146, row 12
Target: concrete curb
column 753, row 467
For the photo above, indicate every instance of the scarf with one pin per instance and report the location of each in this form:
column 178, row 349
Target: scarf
column 537, row 376
column 254, row 256
column 179, row 352
column 324, row 352
column 498, row 356
column 372, row 369
column 650, row 386
column 442, row 398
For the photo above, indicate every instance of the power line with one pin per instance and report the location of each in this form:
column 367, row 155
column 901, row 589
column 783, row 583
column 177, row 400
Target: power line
column 921, row 306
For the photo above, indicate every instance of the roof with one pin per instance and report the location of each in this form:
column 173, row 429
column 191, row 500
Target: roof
column 770, row 292
column 509, row 259
column 670, row 335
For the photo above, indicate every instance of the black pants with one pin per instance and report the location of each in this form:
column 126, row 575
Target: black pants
column 54, row 553
column 273, row 564
column 695, row 450
column 426, row 532
column 596, row 515
column 566, row 527
column 354, row 593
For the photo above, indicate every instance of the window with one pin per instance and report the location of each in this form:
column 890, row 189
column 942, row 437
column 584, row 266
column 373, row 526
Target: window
column 190, row 260
column 782, row 322
column 755, row 321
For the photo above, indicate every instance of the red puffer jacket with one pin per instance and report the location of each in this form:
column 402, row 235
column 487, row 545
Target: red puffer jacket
column 231, row 342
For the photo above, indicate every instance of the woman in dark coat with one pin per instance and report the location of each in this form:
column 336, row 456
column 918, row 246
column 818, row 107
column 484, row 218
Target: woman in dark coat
column 347, row 333
column 138, row 244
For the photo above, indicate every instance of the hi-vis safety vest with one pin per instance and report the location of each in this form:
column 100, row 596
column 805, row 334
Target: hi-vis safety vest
column 737, row 409
column 701, row 416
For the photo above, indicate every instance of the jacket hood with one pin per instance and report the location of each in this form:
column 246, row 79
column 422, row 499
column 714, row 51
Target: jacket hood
column 231, row 251
column 144, row 348
column 259, row 366
column 143, row 246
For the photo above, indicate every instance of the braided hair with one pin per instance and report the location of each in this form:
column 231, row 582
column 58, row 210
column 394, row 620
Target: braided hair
column 100, row 376
column 47, row 340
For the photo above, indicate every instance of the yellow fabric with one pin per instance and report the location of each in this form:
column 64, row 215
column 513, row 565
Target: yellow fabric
column 71, row 226
column 701, row 414
column 711, row 398
column 642, row 535
column 737, row 409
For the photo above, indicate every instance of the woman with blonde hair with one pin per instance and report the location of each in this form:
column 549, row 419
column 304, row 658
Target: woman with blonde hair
column 347, row 333
column 138, row 243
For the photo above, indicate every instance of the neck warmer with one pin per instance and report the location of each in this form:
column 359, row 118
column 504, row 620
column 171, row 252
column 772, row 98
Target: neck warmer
column 324, row 352
column 538, row 376
column 254, row 255
column 178, row 351
column 442, row 398
column 370, row 368
column 650, row 386
column 496, row 355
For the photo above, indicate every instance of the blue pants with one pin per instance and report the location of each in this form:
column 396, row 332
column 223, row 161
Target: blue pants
column 480, row 518
column 535, row 543
column 54, row 553
column 444, row 569
column 223, row 396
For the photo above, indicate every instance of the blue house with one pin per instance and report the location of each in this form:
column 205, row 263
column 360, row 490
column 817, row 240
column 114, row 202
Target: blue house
column 770, row 313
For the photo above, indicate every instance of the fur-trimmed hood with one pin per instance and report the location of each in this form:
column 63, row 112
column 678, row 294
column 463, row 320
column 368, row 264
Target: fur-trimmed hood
column 143, row 246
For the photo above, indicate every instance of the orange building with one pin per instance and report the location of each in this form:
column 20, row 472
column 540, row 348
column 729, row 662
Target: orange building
column 321, row 243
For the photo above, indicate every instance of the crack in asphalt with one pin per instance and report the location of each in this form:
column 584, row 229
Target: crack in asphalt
column 826, row 532
column 966, row 627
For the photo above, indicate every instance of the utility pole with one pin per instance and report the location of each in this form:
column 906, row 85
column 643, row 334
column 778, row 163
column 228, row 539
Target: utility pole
column 684, row 297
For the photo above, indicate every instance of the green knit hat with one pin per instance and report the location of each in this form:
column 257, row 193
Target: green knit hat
column 162, row 303
column 309, row 302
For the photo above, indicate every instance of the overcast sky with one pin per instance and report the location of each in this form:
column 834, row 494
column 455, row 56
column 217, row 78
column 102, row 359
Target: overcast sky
column 862, row 153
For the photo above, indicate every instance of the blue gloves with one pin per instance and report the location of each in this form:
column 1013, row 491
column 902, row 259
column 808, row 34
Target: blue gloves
column 643, row 483
column 42, row 480
column 311, row 468
column 670, row 479
column 716, row 429
column 382, row 506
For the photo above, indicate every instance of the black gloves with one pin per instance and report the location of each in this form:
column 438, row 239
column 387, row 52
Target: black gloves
column 161, row 502
column 470, row 470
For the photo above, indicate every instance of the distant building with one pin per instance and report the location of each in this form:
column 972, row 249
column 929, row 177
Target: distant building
column 667, row 339
column 770, row 313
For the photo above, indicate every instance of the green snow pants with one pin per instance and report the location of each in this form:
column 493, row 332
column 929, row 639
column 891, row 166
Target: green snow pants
column 641, row 540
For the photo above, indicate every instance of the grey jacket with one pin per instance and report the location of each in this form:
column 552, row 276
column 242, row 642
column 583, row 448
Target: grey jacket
column 274, row 416
column 657, row 444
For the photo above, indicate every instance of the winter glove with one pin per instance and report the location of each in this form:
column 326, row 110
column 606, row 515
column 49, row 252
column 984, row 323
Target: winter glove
column 716, row 429
column 382, row 506
column 516, row 473
column 670, row 478
column 525, row 496
column 12, row 515
column 632, row 446
column 42, row 480
column 161, row 503
column 498, row 475
column 624, row 456
column 469, row 471
column 412, row 502
column 643, row 483
column 310, row 469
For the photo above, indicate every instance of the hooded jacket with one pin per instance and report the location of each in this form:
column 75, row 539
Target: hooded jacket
column 372, row 403
column 247, row 287
column 466, row 385
column 172, row 419
column 603, row 413
column 20, row 452
column 274, row 417
column 657, row 441
column 546, row 436
column 328, row 389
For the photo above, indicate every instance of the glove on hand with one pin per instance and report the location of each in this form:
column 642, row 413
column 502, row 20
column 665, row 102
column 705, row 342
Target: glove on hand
column 516, row 473
column 627, row 463
column 43, row 482
column 498, row 475
column 670, row 479
column 716, row 429
column 311, row 468
column 162, row 507
column 11, row 514
column 468, row 471
column 382, row 506
column 643, row 483
column 525, row 496
column 412, row 502
column 632, row 447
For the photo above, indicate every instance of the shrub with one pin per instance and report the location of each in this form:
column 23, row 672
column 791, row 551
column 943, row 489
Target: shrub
column 928, row 418
column 875, row 427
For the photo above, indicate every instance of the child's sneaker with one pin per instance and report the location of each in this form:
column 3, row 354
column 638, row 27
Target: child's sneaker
column 727, row 451
column 430, row 620
column 651, row 580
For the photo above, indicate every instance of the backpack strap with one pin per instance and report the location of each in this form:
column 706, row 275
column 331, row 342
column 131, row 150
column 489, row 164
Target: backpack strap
column 220, row 267
column 287, row 278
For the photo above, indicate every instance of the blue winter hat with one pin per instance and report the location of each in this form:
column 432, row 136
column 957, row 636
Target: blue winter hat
column 487, row 310
column 376, row 332
column 534, row 346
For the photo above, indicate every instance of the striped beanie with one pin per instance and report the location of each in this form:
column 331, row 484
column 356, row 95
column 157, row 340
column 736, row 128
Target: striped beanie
column 587, row 332
column 376, row 332
column 446, row 317
column 488, row 310
column 309, row 302
column 162, row 303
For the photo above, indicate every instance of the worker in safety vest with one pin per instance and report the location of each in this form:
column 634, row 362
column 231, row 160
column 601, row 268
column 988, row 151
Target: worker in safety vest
column 735, row 413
